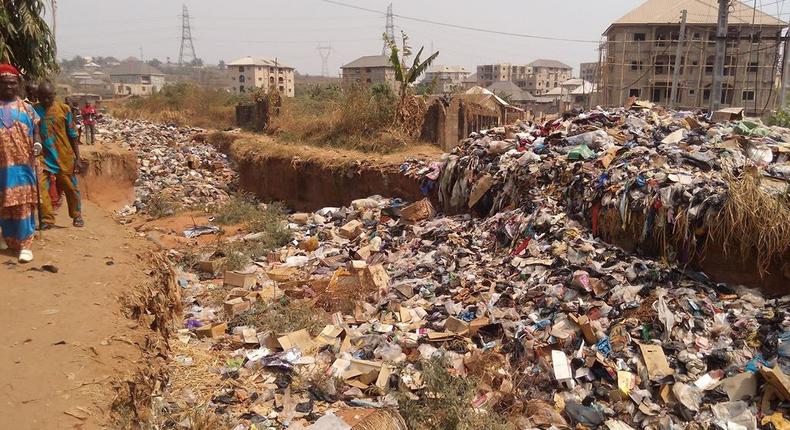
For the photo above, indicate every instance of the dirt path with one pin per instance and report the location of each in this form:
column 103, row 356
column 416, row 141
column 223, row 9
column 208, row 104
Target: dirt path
column 64, row 338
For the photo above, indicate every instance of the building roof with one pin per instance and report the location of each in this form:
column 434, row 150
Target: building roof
column 471, row 78
column 447, row 69
column 369, row 61
column 549, row 63
column 258, row 61
column 510, row 90
column 135, row 68
column 699, row 12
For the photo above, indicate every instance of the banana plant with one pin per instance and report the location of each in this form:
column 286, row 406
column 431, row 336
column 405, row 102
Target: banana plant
column 406, row 76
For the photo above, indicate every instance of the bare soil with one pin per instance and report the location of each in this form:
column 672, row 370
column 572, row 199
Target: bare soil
column 65, row 339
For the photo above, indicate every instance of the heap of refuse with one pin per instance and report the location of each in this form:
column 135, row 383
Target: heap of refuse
column 661, row 173
column 578, row 331
column 518, row 296
column 172, row 166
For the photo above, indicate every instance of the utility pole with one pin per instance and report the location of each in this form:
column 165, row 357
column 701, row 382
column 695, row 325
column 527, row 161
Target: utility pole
column 721, row 49
column 673, row 94
column 389, row 30
column 785, row 71
column 324, row 51
column 186, row 39
column 55, row 26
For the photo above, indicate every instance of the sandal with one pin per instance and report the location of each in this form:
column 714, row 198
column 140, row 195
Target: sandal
column 46, row 226
column 25, row 256
column 79, row 222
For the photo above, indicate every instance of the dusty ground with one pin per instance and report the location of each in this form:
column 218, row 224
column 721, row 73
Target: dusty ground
column 64, row 337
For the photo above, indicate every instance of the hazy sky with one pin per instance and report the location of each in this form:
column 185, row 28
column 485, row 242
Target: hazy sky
column 291, row 30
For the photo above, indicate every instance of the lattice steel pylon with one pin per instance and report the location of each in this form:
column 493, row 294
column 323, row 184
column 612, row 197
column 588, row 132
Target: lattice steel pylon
column 324, row 51
column 389, row 30
column 186, row 39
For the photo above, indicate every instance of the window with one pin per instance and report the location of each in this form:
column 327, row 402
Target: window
column 705, row 95
column 368, row 80
column 636, row 65
column 241, row 69
column 639, row 37
column 634, row 92
column 729, row 65
column 696, row 36
column 241, row 88
column 260, row 78
column 752, row 67
column 367, row 70
column 241, row 78
column 282, row 88
column 280, row 79
column 747, row 96
column 271, row 79
column 691, row 92
column 660, row 68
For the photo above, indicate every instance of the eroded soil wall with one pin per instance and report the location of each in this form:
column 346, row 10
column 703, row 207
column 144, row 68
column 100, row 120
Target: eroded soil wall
column 109, row 179
column 308, row 185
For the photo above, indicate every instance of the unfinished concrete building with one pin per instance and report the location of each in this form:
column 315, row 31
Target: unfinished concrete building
column 537, row 77
column 248, row 73
column 638, row 55
column 544, row 75
column 369, row 70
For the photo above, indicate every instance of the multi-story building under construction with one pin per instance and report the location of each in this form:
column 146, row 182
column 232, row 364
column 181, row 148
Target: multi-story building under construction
column 639, row 51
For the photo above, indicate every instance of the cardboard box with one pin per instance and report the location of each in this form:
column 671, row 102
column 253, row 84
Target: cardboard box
column 241, row 280
column 235, row 306
column 209, row 266
column 351, row 230
column 212, row 331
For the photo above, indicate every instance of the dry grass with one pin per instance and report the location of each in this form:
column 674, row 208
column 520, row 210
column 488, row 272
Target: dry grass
column 359, row 118
column 282, row 316
column 267, row 219
column 445, row 403
column 182, row 104
column 753, row 221
column 202, row 377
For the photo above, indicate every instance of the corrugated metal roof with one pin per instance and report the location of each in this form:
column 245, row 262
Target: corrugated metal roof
column 699, row 12
column 447, row 69
column 259, row 61
column 549, row 63
column 135, row 68
column 510, row 90
column 369, row 61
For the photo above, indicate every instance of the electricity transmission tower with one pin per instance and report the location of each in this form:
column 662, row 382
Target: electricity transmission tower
column 324, row 51
column 186, row 40
column 389, row 30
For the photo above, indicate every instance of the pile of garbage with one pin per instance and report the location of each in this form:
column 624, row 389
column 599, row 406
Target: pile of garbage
column 658, row 172
column 172, row 167
column 554, row 327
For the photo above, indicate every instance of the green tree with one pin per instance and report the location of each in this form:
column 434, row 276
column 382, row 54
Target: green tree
column 26, row 40
column 155, row 62
column 406, row 76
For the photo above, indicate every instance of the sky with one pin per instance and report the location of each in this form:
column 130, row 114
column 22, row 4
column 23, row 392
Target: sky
column 291, row 30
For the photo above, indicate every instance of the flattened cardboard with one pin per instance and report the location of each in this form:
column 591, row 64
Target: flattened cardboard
column 655, row 361
column 299, row 339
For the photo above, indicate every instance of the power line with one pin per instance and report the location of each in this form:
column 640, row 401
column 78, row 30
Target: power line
column 463, row 27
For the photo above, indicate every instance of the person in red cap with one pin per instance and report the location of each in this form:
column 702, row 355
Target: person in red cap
column 20, row 144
